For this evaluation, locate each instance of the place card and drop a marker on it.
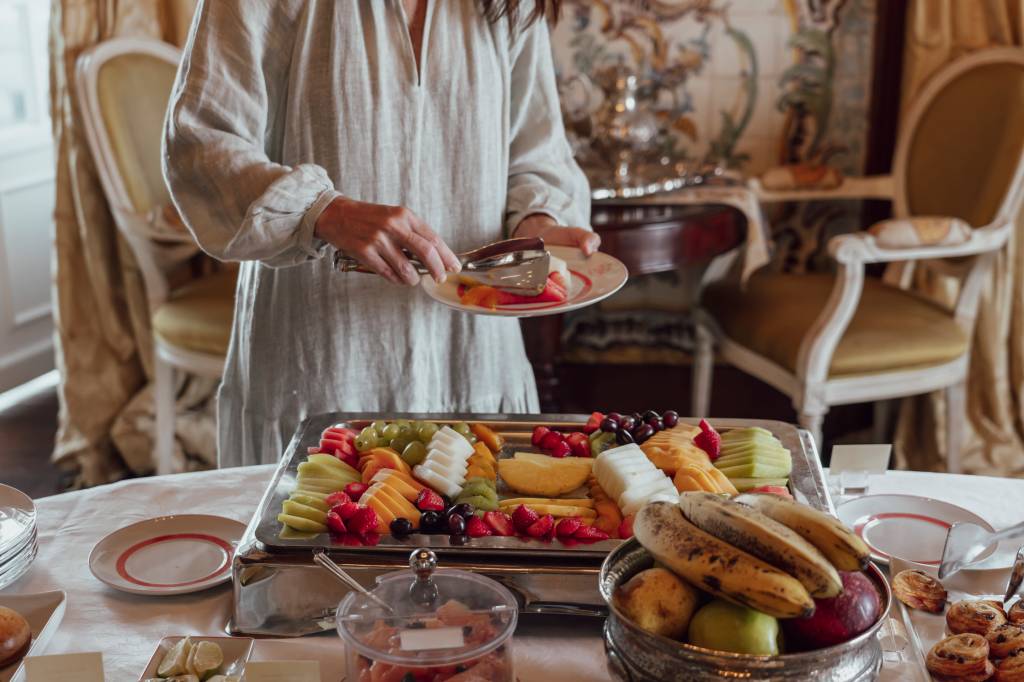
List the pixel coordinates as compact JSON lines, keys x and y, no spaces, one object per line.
{"x":851,"y":465}
{"x":282,"y":671}
{"x":65,"y":667}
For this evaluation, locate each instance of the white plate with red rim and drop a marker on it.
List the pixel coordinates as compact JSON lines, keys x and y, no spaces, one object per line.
{"x":167,"y":555}
{"x":906,"y":526}
{"x":592,"y":279}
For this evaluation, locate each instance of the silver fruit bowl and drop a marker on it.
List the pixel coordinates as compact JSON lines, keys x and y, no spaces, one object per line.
{"x":638,"y":656}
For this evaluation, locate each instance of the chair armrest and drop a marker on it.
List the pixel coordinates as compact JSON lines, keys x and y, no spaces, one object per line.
{"x":871,"y":187}
{"x":863,"y":247}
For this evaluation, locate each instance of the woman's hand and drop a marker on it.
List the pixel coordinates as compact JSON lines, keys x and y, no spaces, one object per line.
{"x":375,"y":234}
{"x":544,"y":226}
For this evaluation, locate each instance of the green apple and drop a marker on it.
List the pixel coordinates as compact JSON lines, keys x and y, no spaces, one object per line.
{"x":724,"y":626}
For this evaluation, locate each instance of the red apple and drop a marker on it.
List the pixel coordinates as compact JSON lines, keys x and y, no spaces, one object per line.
{"x":839,"y":619}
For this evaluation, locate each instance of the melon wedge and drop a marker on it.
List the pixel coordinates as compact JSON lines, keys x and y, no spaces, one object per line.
{"x":398,"y":505}
{"x":549,"y":479}
{"x":384,"y":514}
{"x":400,"y":486}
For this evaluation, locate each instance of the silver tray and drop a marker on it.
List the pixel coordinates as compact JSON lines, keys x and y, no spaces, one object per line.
{"x":806,"y":482}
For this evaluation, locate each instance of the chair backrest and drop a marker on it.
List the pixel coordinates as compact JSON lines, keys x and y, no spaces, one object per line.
{"x":123,"y":89}
{"x":961,"y":152}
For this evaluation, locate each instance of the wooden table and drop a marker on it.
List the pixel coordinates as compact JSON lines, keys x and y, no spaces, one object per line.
{"x":647,"y":239}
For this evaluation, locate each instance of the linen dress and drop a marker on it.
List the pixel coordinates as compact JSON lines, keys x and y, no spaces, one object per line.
{"x":280,"y":106}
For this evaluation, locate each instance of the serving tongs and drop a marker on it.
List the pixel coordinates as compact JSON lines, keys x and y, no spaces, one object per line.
{"x":966,"y":542}
{"x":516,"y":265}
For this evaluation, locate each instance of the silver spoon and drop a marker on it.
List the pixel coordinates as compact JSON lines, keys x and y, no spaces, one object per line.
{"x":966,"y":542}
{"x":1016,"y":576}
{"x":338,"y":572}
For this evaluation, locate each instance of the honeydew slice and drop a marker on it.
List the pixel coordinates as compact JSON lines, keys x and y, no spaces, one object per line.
{"x":330,"y":461}
{"x":326,"y":485}
{"x":314,"y":470}
{"x":436,"y":481}
{"x":310,"y":501}
{"x":299,"y":523}
{"x":298,"y":509}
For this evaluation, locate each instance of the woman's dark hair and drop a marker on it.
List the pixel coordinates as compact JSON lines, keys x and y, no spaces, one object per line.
{"x":498,"y":9}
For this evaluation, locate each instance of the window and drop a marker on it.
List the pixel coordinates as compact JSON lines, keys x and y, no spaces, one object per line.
{"x":23,"y":63}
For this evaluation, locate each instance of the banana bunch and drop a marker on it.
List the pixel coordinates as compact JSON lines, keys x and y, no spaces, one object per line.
{"x":769,"y":553}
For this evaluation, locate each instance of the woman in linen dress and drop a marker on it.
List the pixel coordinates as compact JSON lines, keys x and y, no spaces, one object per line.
{"x":297,"y":128}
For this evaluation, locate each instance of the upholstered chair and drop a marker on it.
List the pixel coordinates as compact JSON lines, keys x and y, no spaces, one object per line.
{"x":956,"y":187}
{"x":123,"y":89}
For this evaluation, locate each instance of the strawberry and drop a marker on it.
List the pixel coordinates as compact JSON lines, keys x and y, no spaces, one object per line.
{"x":476,"y":528}
{"x":562,"y":449}
{"x":428,"y":500}
{"x":708,"y":440}
{"x":626,"y":527}
{"x":334,"y":499}
{"x":363,"y":521}
{"x":590,"y":533}
{"x":579,"y":443}
{"x":541,"y":527}
{"x":356,"y":490}
{"x":594,"y":423}
{"x":567,"y":526}
{"x":500,"y":523}
{"x":539,"y":432}
{"x":523,"y":517}
{"x":335,"y":524}
{"x":551,"y":440}
{"x":346,"y":510}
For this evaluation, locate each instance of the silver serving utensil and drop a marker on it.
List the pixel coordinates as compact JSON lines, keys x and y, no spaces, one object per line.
{"x":1016,"y":576}
{"x":338,"y":572}
{"x":966,"y":542}
{"x":518,"y":265}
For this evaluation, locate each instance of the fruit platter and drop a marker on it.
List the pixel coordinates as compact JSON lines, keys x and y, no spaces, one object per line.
{"x":535,"y":501}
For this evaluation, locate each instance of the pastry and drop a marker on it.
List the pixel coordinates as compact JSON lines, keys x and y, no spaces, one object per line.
{"x":1011,"y":668}
{"x":960,"y":657}
{"x":974,"y":616}
{"x":918,"y":590}
{"x":1016,"y":613}
{"x":15,"y":636}
{"x":1005,"y":639}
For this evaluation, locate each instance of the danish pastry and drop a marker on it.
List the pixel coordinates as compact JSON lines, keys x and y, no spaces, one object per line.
{"x":1004,"y":639}
{"x":960,"y":657}
{"x":974,"y":616}
{"x":918,"y":590}
{"x":1016,"y":613}
{"x":1011,"y":668}
{"x":15,"y":636}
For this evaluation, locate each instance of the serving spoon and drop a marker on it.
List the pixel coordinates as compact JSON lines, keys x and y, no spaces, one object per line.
{"x":518,"y":265}
{"x":965,"y":542}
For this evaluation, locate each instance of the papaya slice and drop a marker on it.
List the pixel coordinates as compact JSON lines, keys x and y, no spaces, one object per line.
{"x":488,"y":436}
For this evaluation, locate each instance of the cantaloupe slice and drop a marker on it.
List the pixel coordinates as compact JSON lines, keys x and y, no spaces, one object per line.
{"x":400,"y":485}
{"x":549,"y":479}
{"x":384,"y":514}
{"x":398,"y":505}
{"x":385,"y":456}
{"x":493,"y":440}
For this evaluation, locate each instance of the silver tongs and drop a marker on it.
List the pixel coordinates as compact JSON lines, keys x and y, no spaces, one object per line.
{"x":517,"y":265}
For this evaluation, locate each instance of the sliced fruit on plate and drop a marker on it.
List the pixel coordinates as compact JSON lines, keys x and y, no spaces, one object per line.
{"x":301,"y":523}
{"x":552,"y":478}
{"x":399,"y":485}
{"x":627,"y":468}
{"x":489,"y":297}
{"x":672,"y":448}
{"x":482,"y":452}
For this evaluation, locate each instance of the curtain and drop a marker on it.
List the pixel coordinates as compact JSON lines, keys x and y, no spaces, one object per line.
{"x":939,"y":31}
{"x":103,"y":337}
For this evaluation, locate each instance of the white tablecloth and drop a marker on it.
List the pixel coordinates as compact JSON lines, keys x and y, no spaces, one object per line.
{"x":126,"y":628}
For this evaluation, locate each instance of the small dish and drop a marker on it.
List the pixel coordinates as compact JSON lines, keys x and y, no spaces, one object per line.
{"x":167,"y":555}
{"x":44,"y":612}
{"x":236,"y":650}
{"x":594,"y":278}
{"x":910,"y":527}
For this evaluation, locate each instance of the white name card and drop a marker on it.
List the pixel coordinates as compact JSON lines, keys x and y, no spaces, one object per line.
{"x":65,"y":668}
{"x":852,"y":464}
{"x":282,"y":671}
{"x":423,"y":639}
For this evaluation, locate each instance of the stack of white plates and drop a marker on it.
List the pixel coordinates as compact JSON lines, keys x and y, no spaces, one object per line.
{"x":18,"y":543}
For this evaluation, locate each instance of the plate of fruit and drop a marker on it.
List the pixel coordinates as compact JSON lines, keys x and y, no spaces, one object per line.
{"x":574,"y":281}
{"x":526,"y":485}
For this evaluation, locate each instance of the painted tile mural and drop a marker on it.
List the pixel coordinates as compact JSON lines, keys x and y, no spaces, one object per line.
{"x":745,"y":83}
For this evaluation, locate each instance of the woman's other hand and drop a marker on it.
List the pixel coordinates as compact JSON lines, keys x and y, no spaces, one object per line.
{"x":544,"y":226}
{"x":375,"y":234}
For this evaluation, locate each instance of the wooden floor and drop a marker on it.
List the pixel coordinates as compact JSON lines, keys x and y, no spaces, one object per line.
{"x":27,"y":433}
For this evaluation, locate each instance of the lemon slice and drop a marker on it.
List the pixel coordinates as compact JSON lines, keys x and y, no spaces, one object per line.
{"x":175,"y":661}
{"x":204,"y":659}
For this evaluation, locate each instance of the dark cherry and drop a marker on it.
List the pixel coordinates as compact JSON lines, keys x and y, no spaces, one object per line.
{"x":637,"y":417}
{"x":623,"y":437}
{"x":615,"y":417}
{"x":609,"y":425}
{"x":627,"y":423}
{"x":430,"y":521}
{"x":671,"y":418}
{"x":456,"y":524}
{"x":656,"y":424}
{"x":401,"y":527}
{"x":643,"y":433}
{"x":651,"y":414}
{"x":458,"y":539}
{"x":462,"y":509}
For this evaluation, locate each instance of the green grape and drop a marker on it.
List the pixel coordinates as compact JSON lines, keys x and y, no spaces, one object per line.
{"x":370,"y":433}
{"x":414,"y":453}
{"x":406,"y":430}
{"x":399,"y":444}
{"x":463,"y":428}
{"x":364,"y":443}
{"x":391,"y":431}
{"x":426,"y":431}
{"x":379,"y":426}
